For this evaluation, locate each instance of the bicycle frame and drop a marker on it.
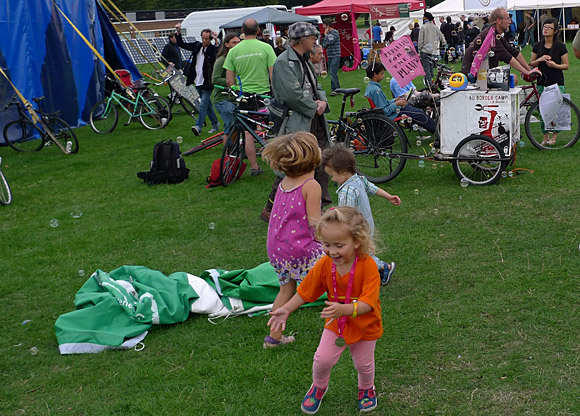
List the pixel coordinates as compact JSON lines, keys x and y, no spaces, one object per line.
{"x":534,"y":92}
{"x":123,"y":101}
{"x":243,"y":117}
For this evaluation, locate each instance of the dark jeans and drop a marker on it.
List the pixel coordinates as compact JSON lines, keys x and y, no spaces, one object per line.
{"x":333,"y":70}
{"x":419,"y":117}
{"x":206,"y":109}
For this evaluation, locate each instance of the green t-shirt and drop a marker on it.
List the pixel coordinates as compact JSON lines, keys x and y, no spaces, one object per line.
{"x":250,"y":59}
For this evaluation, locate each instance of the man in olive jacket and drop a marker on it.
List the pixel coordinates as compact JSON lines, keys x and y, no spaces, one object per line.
{"x":294,"y":84}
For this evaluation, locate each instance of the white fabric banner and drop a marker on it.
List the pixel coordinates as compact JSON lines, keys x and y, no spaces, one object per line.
{"x":484,"y":4}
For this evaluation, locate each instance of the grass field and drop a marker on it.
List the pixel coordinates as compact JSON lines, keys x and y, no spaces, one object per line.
{"x":482,"y":316}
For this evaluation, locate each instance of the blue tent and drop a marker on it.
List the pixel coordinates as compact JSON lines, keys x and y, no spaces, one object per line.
{"x":43,"y":55}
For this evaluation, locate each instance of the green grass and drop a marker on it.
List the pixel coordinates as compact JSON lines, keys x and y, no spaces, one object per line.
{"x":481,"y":317}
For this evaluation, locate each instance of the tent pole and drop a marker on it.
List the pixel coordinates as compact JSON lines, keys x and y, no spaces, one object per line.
{"x":563,"y":24}
{"x":356,"y":46}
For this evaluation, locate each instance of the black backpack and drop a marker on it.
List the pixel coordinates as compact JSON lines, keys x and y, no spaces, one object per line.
{"x":167,"y":165}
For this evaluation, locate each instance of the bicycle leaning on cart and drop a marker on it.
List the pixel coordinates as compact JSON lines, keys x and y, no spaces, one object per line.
{"x":380,"y":147}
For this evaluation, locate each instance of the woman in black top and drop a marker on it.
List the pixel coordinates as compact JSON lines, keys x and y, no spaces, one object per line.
{"x":551,"y":57}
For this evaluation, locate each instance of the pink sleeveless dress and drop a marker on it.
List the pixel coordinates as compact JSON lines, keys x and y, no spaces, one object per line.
{"x":292,"y":249}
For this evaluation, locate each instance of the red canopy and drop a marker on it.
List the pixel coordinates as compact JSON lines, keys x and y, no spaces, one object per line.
{"x":329,"y":7}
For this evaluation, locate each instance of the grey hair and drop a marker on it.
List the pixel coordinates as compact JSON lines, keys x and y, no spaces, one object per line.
{"x":496,"y":14}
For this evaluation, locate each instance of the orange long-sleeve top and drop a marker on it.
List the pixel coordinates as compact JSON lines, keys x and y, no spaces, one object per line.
{"x":365,"y":288}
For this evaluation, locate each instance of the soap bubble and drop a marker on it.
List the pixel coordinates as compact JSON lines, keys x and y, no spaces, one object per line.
{"x":290,"y":64}
{"x":407,"y":49}
{"x":479,"y":56}
{"x":179,"y":139}
{"x":354,"y":40}
{"x":522,"y":143}
{"x":464,"y":182}
{"x":418,"y":143}
{"x":478,"y":41}
{"x":81,"y":273}
{"x":387,"y":79}
{"x":266,"y":101}
{"x":415,"y":127}
{"x":296,"y":85}
{"x":435,"y":211}
{"x":453,"y":33}
{"x":398,"y":110}
{"x":416,"y":192}
{"x":364,"y":64}
{"x":76,"y":212}
{"x":324,"y":74}
{"x":498,"y":36}
{"x":33,"y":351}
{"x":511,"y":174}
{"x":344,"y":17}
{"x":434,"y":166}
{"x":211,"y":225}
{"x":421,"y":163}
{"x":305,"y":93}
{"x":504,"y":174}
{"x":26,"y":321}
{"x":366,"y":80}
{"x":54,"y":223}
{"x":491,"y":54}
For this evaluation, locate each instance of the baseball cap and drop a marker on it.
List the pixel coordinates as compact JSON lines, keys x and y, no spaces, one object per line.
{"x":265,"y":32}
{"x":428,"y":16}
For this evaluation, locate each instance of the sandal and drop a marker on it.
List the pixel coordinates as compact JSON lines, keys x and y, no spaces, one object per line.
{"x":270,"y":342}
{"x":551,"y":142}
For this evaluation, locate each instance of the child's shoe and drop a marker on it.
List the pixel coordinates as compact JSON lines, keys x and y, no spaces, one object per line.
{"x":386,"y":273}
{"x":367,"y":400}
{"x":312,"y":400}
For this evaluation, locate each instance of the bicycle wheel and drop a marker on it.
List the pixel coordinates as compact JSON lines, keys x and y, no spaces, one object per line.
{"x":232,"y":156}
{"x":24,"y":136}
{"x":64,"y":134}
{"x":154,"y":113}
{"x":188,"y":107}
{"x":567,"y":137}
{"x":5,"y":193}
{"x":378,"y":147}
{"x":479,"y":160}
{"x":104,"y":117}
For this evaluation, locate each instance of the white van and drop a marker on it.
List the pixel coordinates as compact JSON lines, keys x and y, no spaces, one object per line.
{"x":195,"y":22}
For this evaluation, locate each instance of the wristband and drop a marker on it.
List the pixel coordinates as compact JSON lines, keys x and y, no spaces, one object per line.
{"x":355,"y":309}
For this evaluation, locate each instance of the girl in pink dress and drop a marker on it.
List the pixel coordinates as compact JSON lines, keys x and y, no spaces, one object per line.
{"x":292,"y":249}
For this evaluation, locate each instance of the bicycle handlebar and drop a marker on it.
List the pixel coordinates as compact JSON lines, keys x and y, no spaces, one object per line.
{"x":234,"y":92}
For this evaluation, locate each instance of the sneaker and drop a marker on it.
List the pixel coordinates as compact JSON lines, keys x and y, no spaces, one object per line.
{"x":256,"y":172}
{"x":196,"y":130}
{"x":212,"y":131}
{"x":386,"y":273}
{"x":312,"y":400}
{"x":333,"y":93}
{"x":270,"y":342}
{"x":265,"y":215}
{"x":367,"y":400}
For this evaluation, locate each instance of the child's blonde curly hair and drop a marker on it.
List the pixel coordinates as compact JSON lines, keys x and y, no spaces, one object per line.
{"x":294,"y":154}
{"x":359,"y":228}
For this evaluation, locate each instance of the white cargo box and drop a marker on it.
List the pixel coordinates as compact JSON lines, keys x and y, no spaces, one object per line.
{"x":491,"y":113}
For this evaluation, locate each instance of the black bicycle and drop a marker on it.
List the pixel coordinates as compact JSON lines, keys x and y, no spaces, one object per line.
{"x":5,"y":193}
{"x":36,"y":129}
{"x":376,"y":140}
{"x":256,"y":123}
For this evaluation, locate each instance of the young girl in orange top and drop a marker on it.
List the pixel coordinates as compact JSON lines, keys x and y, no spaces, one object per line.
{"x":350,"y":277}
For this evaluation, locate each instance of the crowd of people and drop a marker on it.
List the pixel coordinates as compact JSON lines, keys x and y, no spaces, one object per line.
{"x":313,"y":248}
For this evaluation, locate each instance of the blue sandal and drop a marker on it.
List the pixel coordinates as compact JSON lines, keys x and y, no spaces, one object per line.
{"x":270,"y":342}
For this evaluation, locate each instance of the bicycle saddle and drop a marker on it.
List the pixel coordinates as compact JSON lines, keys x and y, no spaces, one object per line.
{"x":347,"y":91}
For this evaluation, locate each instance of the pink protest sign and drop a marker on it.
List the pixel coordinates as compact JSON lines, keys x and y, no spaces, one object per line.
{"x":402,"y":61}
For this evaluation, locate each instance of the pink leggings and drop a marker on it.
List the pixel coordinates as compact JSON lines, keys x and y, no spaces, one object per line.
{"x":327,"y":355}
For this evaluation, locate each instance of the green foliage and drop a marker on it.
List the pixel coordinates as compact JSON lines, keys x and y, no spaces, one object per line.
{"x":482,"y":315}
